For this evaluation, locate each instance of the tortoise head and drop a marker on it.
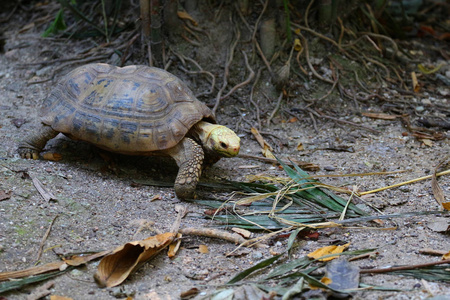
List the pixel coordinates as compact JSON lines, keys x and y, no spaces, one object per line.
{"x":220,"y":139}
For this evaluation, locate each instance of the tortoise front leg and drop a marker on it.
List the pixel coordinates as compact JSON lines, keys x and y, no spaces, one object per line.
{"x":32,"y":145}
{"x":189,"y":157}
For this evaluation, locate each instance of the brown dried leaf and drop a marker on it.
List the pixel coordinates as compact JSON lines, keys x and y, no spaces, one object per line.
{"x":47,"y":195}
{"x":56,"y":297}
{"x":189,"y":293}
{"x":415,"y":83}
{"x":185,"y":16}
{"x":382,"y":116}
{"x":436,"y":188}
{"x":245,"y":233}
{"x":203,"y":249}
{"x":174,"y":246}
{"x":116,"y":267}
{"x":4,"y":195}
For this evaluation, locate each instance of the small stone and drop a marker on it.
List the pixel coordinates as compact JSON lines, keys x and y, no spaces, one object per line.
{"x":329,"y":168}
{"x":420,"y":108}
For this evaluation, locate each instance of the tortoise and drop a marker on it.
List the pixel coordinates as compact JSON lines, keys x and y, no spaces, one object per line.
{"x":135,"y":110}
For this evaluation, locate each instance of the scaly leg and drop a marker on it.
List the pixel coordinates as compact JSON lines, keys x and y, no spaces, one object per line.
{"x":32,"y":145}
{"x":189,"y":157}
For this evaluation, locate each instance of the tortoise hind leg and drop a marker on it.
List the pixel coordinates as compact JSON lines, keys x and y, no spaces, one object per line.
{"x":33,"y":144}
{"x":189,"y":157}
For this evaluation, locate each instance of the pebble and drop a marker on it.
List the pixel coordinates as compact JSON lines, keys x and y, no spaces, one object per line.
{"x":329,"y":168}
{"x":420,"y":108}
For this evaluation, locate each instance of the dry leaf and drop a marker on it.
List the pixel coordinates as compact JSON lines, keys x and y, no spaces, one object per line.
{"x":48,"y":196}
{"x":203,"y":249}
{"x":300,"y":146}
{"x":437,"y":190}
{"x":380,"y":116}
{"x":56,"y":297}
{"x":328,"y":250}
{"x":297,"y":44}
{"x":52,"y":156}
{"x":174,"y":246}
{"x":185,"y":16}
{"x":189,"y":293}
{"x":446,"y":256}
{"x":245,"y":233}
{"x":266,"y":149}
{"x":427,"y":142}
{"x":116,"y":267}
{"x":4,"y":195}
{"x":415,"y":83}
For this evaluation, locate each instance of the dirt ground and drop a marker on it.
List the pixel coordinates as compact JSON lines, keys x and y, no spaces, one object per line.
{"x":100,"y":207}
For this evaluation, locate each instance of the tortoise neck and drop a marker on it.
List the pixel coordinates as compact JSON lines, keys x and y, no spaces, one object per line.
{"x":202,"y":131}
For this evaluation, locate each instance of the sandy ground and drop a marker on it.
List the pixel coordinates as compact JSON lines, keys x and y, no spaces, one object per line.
{"x":99,"y":207}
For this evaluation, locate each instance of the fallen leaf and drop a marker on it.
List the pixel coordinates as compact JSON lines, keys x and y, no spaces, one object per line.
{"x":266,"y":149}
{"x":382,"y":116}
{"x":439,"y":225}
{"x":4,"y":195}
{"x":297,"y":44}
{"x":245,"y":233}
{"x":415,"y":83}
{"x":189,"y":293}
{"x":203,"y":249}
{"x":446,"y":256}
{"x":327,"y":250}
{"x":300,"y":147}
{"x":116,"y":267}
{"x":437,"y":190}
{"x":174,"y":246}
{"x":185,"y":16}
{"x":427,"y":142}
{"x":56,"y":297}
{"x":48,"y":196}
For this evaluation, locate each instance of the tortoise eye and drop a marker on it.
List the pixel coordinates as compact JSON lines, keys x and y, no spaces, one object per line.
{"x":223,"y":145}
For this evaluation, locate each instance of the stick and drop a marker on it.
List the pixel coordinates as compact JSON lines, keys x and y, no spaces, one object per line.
{"x":403,"y":268}
{"x":44,"y":238}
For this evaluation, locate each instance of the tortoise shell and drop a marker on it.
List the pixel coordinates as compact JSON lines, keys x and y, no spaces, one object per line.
{"x":134,"y":109}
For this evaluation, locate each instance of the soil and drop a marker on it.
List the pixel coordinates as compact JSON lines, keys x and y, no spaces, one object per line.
{"x":99,"y":206}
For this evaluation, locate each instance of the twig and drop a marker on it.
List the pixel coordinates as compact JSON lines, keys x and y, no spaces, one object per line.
{"x":214,"y":233}
{"x":251,"y":98}
{"x":227,"y":70}
{"x":307,"y":12}
{"x":44,"y":238}
{"x":403,"y":268}
{"x":249,"y":78}
{"x":405,"y":182}
{"x":344,"y":121}
{"x":313,"y":70}
{"x":277,"y":107}
{"x":433,"y":252}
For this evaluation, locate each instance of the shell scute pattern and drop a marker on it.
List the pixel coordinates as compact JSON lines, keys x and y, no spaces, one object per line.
{"x":135,"y":109}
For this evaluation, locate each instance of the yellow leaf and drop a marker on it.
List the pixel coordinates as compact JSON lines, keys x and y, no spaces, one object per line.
{"x":446,"y":256}
{"x":429,"y":71}
{"x":56,"y":297}
{"x":174,"y":246}
{"x":297,"y":44}
{"x":203,"y":249}
{"x":300,"y":146}
{"x":297,"y":31}
{"x":327,"y":250}
{"x":415,"y":83}
{"x":185,"y":16}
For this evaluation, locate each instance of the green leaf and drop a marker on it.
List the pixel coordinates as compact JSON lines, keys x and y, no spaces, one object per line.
{"x":57,"y":25}
{"x":256,"y":267}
